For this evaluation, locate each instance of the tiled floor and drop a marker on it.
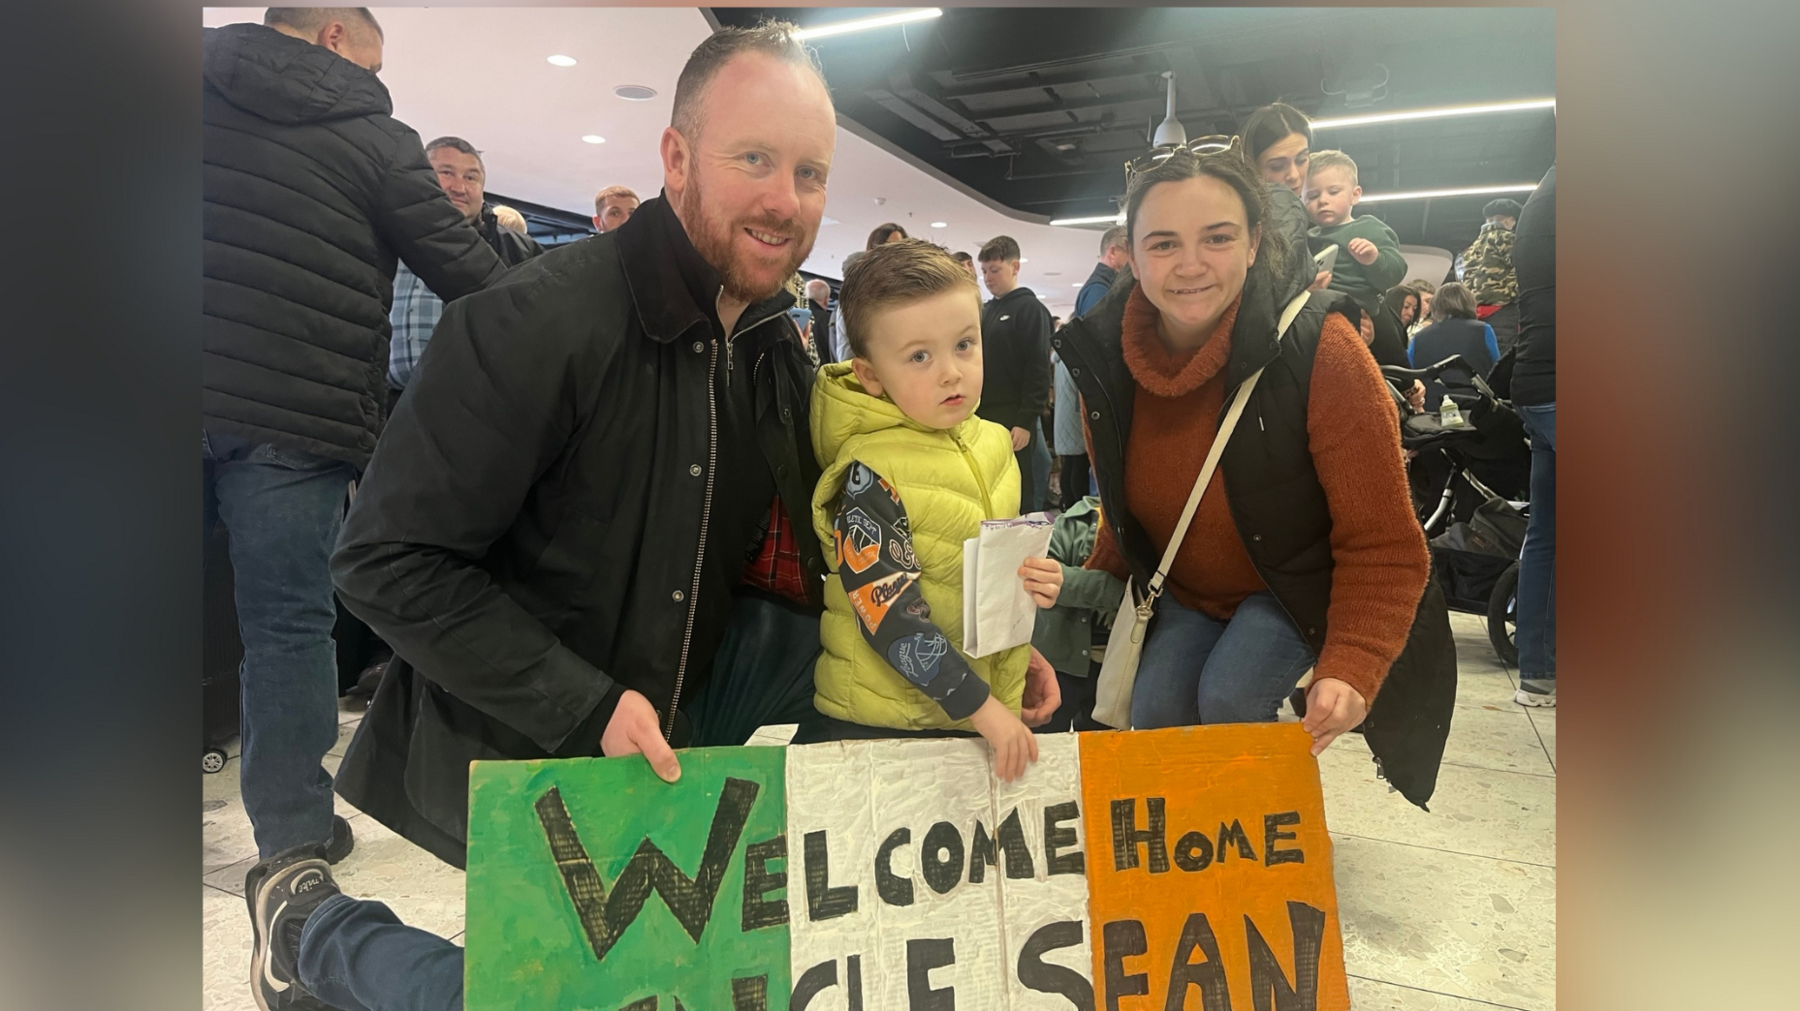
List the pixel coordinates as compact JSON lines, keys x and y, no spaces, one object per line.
{"x":1454,"y":910}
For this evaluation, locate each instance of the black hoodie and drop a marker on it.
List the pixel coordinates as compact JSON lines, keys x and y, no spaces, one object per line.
{"x":1015,"y":350}
{"x":311,"y":190}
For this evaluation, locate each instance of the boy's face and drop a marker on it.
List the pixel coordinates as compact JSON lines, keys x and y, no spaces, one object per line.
{"x":925,"y":356}
{"x":1330,"y":195}
{"x":1001,"y":276}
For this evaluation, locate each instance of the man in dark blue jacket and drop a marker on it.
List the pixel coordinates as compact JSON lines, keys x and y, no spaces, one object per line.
{"x":311,"y":192}
{"x":1071,"y":445}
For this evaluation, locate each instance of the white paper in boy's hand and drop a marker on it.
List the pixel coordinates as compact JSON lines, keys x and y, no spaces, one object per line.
{"x":997,"y":611}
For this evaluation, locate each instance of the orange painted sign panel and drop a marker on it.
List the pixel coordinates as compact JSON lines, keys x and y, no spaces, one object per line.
{"x":1209,"y":871}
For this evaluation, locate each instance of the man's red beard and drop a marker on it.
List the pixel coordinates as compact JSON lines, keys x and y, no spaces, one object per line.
{"x":714,"y":239}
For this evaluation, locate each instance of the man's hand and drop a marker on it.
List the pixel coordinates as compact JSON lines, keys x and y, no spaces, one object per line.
{"x":1321,"y":281}
{"x":1362,"y":251}
{"x":1043,"y":580}
{"x":1014,"y":746}
{"x":1332,"y":707}
{"x":1367,"y":328}
{"x":1021,"y":439}
{"x":635,"y":730}
{"x":1043,"y":696}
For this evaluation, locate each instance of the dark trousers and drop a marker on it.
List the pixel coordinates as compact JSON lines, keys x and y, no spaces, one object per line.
{"x":1034,"y":472}
{"x":1074,"y":478}
{"x":282,"y":509}
{"x":1536,"y":633}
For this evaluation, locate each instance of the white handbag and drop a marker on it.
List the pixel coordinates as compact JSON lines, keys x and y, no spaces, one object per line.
{"x":1118,"y":671}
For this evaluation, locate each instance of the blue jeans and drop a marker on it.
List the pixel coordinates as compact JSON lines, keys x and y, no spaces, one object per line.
{"x":1196,"y":669}
{"x":1536,"y":633}
{"x":355,"y":954}
{"x":282,"y":509}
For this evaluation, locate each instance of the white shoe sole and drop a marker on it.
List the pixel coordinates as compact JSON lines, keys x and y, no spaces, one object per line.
{"x":1536,"y":701}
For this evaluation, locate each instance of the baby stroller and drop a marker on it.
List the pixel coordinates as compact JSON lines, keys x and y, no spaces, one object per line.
{"x":1470,"y":486}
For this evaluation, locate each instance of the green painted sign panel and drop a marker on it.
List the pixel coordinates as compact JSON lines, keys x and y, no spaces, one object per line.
{"x":590,"y":880}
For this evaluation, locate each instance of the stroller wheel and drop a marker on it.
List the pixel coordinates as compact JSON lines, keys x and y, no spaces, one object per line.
{"x":212,"y":760}
{"x":1502,"y":616}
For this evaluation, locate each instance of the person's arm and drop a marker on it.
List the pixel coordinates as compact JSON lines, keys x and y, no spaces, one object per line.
{"x":1389,"y":266}
{"x":1380,"y":562}
{"x":1034,"y":368}
{"x":451,"y":471}
{"x":426,"y":230}
{"x":880,"y":574}
{"x":1088,"y":589}
{"x":840,"y":344}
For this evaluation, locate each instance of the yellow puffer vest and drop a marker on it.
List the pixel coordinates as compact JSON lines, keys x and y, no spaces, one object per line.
{"x":949,"y":481}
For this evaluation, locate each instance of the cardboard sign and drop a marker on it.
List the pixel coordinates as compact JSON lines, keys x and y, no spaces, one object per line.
{"x":1169,"y":869}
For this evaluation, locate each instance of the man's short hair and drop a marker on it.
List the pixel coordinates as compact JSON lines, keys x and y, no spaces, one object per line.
{"x":608,"y":193}
{"x":771,"y":38}
{"x":1420,"y":284}
{"x":1330,"y":159}
{"x":1000,"y":247}
{"x":818,"y":285}
{"x":456,"y":144}
{"x":311,"y":19}
{"x":1114,"y":236}
{"x":963,"y":257}
{"x":895,"y":274}
{"x":1502,"y":208}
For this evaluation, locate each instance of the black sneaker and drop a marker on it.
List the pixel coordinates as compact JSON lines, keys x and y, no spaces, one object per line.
{"x":282,"y":892}
{"x":342,"y":840}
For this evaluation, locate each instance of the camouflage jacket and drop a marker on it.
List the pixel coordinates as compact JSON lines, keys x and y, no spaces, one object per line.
{"x":1488,"y":267}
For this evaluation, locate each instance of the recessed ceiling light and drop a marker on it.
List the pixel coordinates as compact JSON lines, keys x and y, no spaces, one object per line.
{"x":1077,"y":284}
{"x":862,"y":24}
{"x":594,"y":138}
{"x":940,"y":224}
{"x":634,"y":92}
{"x":1110,"y":219}
{"x":1024,"y":259}
{"x":829,"y":220}
{"x":562,"y":61}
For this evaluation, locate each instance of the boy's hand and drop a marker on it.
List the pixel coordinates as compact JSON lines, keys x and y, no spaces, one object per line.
{"x":1014,"y":745}
{"x":635,"y":730}
{"x":1043,"y":693}
{"x":1043,"y":580}
{"x":1362,"y":251}
{"x":1366,"y":327}
{"x":1321,"y":281}
{"x":1021,"y":438}
{"x":1332,"y":707}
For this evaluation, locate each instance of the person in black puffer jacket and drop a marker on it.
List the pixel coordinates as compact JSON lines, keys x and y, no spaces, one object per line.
{"x":311,"y":192}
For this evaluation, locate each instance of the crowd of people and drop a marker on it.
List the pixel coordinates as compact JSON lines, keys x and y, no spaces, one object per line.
{"x":649,"y":490}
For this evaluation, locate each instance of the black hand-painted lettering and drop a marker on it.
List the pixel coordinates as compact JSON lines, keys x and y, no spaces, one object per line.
{"x":1056,"y":836}
{"x":823,"y":902}
{"x":1272,"y":834}
{"x":813,"y":980}
{"x":1048,"y":977}
{"x":1233,"y":833}
{"x":941,"y":858}
{"x":1209,"y":975}
{"x":1008,"y":839}
{"x":605,"y":917}
{"x":1126,"y":835}
{"x":759,"y":881}
{"x":1193,"y":851}
{"x":750,"y":993}
{"x":1120,"y":940}
{"x":1269,"y":989}
{"x":893,"y":889}
{"x":922,"y":956}
{"x":853,"y":981}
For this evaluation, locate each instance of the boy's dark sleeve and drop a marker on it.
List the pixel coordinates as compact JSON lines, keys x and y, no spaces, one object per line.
{"x":1034,"y":392}
{"x":881,"y":577}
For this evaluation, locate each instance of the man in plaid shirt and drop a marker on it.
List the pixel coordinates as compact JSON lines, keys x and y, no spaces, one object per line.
{"x":417,"y":308}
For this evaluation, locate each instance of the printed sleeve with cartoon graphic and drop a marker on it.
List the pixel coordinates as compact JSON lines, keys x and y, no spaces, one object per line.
{"x":881,"y":575}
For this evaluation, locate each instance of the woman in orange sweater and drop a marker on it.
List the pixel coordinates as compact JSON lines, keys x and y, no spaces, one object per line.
{"x":1305,"y":552}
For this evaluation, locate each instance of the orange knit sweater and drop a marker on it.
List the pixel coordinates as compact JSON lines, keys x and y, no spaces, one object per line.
{"x":1380,"y":562}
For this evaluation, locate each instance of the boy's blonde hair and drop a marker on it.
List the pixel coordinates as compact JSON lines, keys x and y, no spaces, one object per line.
{"x":896,"y":273}
{"x":1322,"y":160}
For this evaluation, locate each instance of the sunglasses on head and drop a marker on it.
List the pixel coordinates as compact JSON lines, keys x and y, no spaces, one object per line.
{"x":1212,"y":143}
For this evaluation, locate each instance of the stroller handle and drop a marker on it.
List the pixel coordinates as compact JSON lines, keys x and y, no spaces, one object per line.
{"x":1395,"y":374}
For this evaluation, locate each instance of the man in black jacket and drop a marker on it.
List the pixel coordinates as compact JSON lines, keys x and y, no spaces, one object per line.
{"x":551,"y":530}
{"x":311,"y":190}
{"x":1015,"y":345}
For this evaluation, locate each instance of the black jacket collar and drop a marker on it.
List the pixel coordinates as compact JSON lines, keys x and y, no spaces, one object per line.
{"x":672,"y":285}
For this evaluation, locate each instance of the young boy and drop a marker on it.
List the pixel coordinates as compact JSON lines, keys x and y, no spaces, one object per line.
{"x":1368,"y":260}
{"x":909,"y":474}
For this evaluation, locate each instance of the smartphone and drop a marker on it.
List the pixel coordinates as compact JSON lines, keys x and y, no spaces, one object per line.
{"x":1326,"y":257}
